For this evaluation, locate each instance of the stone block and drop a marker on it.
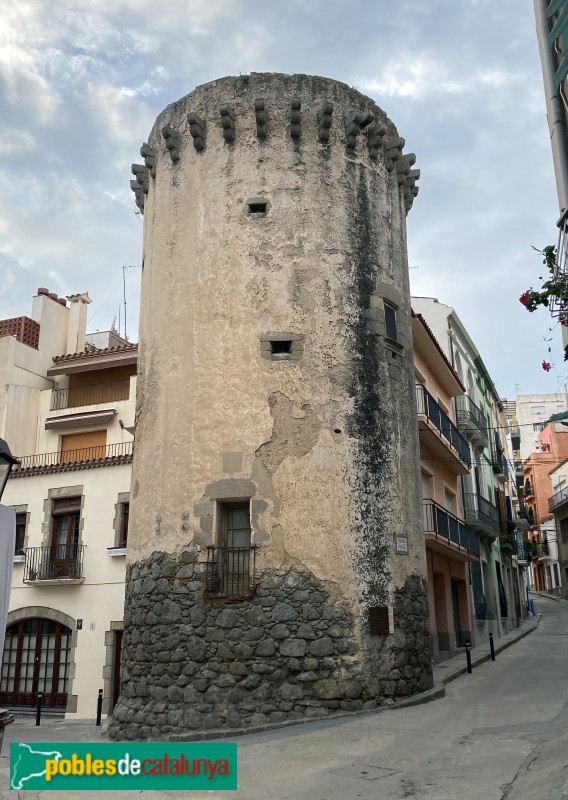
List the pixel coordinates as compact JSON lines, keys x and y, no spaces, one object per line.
{"x":322,"y":647}
{"x":282,"y":612}
{"x":265,"y":648}
{"x":280,"y":632}
{"x":293,"y":647}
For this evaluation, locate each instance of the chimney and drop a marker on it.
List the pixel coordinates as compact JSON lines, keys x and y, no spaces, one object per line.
{"x":77,"y":322}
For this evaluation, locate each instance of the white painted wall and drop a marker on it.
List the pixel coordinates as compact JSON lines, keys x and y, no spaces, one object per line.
{"x":100,"y":599}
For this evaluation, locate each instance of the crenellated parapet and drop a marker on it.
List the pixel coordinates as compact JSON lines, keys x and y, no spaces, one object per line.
{"x":363,"y":134}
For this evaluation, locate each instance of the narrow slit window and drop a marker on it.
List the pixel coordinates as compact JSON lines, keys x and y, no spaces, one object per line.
{"x":390,"y":322}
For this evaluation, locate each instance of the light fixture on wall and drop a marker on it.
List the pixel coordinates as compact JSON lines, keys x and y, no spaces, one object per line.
{"x":7,"y":461}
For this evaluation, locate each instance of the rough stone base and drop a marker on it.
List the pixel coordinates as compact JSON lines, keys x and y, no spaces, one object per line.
{"x":190,"y":663}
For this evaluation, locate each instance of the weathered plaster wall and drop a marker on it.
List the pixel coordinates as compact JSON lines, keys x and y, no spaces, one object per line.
{"x":323,"y":443}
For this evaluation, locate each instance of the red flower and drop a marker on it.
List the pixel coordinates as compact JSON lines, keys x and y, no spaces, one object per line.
{"x":546,"y":366}
{"x":525,"y":298}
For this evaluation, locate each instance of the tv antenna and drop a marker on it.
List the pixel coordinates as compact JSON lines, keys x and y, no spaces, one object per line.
{"x":126,"y":267}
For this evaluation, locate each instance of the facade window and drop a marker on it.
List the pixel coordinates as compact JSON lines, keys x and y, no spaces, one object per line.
{"x":390,"y":322}
{"x":538,"y":427}
{"x":479,"y":601}
{"x":21,"y":521}
{"x":64,"y":545}
{"x":123,"y":531}
{"x":83,"y":446}
{"x":230,"y":567}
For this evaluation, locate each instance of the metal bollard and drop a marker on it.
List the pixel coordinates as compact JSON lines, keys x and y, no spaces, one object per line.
{"x":468,"y":655}
{"x":492,"y":647}
{"x":99,"y":707}
{"x":38,"y":708}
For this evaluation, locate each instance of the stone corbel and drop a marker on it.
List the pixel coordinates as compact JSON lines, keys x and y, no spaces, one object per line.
{"x":173,"y":142}
{"x":324,"y":121}
{"x":403,"y":166}
{"x":393,"y":151}
{"x":142,"y":175}
{"x":138,"y":194}
{"x":375,"y":136}
{"x":198,"y":131}
{"x":356,"y":122}
{"x":260,"y":112}
{"x":296,"y":118}
{"x":149,"y":155}
{"x":227,"y":123}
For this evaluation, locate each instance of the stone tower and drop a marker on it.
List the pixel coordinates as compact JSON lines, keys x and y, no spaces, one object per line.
{"x":276,"y":564}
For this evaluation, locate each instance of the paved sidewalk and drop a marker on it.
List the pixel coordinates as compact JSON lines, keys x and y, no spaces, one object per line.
{"x":56,"y":729}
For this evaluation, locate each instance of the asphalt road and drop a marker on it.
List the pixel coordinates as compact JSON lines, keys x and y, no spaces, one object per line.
{"x":501,"y":732}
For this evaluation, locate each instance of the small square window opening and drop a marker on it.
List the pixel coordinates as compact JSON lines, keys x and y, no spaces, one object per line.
{"x":390,"y":322}
{"x":281,"y":347}
{"x":257,"y":208}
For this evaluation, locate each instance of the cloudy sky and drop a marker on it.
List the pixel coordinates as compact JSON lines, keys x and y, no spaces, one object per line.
{"x":82,"y":82}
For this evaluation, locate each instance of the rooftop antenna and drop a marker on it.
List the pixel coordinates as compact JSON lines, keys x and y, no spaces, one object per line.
{"x":124,"y":268}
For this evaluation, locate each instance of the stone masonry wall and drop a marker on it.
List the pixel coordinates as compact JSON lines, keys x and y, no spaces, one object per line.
{"x":193,"y":664}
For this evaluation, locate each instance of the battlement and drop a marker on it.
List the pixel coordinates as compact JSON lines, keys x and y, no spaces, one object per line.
{"x":253,"y":110}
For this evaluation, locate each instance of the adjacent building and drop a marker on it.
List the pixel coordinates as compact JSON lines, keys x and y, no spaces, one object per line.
{"x":445,"y":456}
{"x":68,"y":409}
{"x":538,"y":493}
{"x":497,"y":581}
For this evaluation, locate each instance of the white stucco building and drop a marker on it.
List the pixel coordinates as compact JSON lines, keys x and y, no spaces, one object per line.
{"x":67,"y":407}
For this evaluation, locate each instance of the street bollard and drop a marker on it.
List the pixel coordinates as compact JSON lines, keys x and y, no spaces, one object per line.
{"x":468,"y":655}
{"x":492,"y":647}
{"x":38,"y":708}
{"x":99,"y":707}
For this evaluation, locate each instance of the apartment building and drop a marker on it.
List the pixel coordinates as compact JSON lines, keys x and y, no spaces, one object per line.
{"x":68,"y":415}
{"x":497,"y":581}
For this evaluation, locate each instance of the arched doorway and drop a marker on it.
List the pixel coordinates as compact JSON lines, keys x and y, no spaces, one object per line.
{"x":36,"y":659}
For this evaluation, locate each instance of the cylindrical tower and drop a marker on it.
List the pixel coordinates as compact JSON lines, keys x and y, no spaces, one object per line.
{"x":276,"y":563}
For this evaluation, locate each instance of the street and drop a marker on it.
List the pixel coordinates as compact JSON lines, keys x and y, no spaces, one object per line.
{"x":501,"y":732}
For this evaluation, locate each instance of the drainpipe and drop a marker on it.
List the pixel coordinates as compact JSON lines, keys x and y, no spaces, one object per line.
{"x":556,"y":118}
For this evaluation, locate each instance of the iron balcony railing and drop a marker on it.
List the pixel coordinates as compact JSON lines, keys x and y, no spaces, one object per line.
{"x":90,"y":395}
{"x":481,"y":514}
{"x":558,"y":499}
{"x":522,"y":553}
{"x":499,"y":463}
{"x":121,"y":452}
{"x":508,"y":543}
{"x":55,"y":562}
{"x":429,"y":407}
{"x":439,"y":521}
{"x":231,"y":572}
{"x":470,"y":417}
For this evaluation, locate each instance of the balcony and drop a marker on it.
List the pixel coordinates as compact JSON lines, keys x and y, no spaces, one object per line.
{"x":230,"y":572}
{"x":558,"y":499}
{"x":90,"y":395}
{"x":523,"y":557}
{"x":444,"y":528}
{"x":99,"y":456}
{"x":499,"y":464}
{"x":471,"y":420}
{"x":440,"y":434}
{"x":508,"y":544}
{"x":61,"y":563}
{"x":481,"y":515}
